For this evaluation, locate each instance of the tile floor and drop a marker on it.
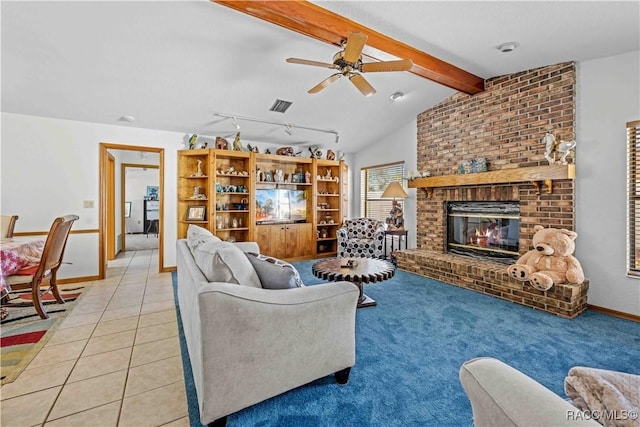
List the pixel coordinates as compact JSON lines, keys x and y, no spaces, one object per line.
{"x":113,"y":361}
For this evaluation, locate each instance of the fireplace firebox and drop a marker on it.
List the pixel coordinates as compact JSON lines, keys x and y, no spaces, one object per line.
{"x":485,"y":230}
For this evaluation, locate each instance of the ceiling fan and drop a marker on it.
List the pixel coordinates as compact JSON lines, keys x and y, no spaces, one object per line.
{"x":349,"y":62}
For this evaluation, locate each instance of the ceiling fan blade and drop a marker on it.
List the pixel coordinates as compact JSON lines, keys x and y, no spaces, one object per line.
{"x":362,"y":84}
{"x":354,"y":46}
{"x":314,"y":63}
{"x":326,"y":82}
{"x":399,"y":65}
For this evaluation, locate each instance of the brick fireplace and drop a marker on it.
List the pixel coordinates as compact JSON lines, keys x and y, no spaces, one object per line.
{"x":505,"y":125}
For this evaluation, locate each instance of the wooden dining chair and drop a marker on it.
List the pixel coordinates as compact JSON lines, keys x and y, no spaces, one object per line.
{"x":7,"y":224}
{"x":45,"y":272}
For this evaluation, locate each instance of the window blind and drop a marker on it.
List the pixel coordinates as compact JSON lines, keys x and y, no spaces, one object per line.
{"x":633,"y":197}
{"x":373,"y":181}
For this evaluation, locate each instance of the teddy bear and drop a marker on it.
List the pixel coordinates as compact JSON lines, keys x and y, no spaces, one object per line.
{"x":551,"y":261}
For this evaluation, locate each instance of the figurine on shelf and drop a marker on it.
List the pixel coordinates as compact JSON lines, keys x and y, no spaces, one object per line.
{"x":221,"y":143}
{"x":237,"y":145}
{"x":192,"y":141}
{"x":331,"y":155}
{"x":315,"y":153}
{"x":199,"y":172}
{"x":307,"y":177}
{"x":197,"y":194}
{"x":328,"y":175}
{"x":279,"y":175}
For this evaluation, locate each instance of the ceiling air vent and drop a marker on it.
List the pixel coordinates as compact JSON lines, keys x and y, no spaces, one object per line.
{"x":280,"y":106}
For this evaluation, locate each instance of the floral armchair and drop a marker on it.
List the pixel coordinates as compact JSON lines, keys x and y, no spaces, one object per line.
{"x":361,"y":238}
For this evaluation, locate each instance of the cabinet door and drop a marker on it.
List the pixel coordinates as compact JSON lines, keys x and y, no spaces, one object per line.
{"x":299,"y":240}
{"x":263,"y":239}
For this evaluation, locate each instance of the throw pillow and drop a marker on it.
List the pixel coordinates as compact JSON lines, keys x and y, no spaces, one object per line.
{"x":197,"y":235}
{"x":274,"y":273}
{"x":224,"y":262}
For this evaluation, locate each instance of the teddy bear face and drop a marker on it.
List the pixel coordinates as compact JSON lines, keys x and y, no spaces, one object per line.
{"x":553,"y":241}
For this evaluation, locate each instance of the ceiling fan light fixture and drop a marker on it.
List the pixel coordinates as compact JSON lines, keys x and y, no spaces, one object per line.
{"x":396,"y":96}
{"x":508,"y":47}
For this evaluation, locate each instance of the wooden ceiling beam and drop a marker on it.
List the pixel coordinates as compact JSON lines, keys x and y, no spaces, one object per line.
{"x":313,"y":21}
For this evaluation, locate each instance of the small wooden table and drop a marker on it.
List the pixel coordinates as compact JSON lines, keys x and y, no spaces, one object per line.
{"x":366,"y":270}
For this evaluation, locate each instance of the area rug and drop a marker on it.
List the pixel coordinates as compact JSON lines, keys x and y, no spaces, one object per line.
{"x":23,"y":333}
{"x":409,"y":349}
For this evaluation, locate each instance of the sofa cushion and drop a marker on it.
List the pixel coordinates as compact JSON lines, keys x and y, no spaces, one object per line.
{"x":274,"y":273}
{"x":197,"y":235}
{"x":223,"y":262}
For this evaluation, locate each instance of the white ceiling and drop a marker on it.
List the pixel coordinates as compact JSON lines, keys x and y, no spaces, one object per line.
{"x":172,"y":65}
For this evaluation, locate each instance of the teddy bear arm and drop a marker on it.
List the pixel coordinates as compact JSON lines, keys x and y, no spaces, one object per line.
{"x":574,"y":270}
{"x":528,"y":258}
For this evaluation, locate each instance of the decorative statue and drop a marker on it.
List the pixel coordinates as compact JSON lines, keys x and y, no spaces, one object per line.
{"x":554,"y":148}
{"x":285,"y":151}
{"x":221,"y":143}
{"x":237,"y":145}
{"x":199,"y":172}
{"x":331,"y":155}
{"x":307,"y":177}
{"x":192,"y":141}
{"x":279,"y":175}
{"x":395,"y":220}
{"x":315,"y":153}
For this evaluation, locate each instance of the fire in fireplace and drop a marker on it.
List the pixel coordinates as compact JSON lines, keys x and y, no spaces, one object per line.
{"x":486,"y":230}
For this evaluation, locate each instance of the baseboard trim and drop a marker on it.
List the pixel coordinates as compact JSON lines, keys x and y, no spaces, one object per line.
{"x":615,"y":313}
{"x":77,"y":279}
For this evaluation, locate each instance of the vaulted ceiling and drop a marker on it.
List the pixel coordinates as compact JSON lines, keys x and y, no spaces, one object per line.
{"x":173,"y":65}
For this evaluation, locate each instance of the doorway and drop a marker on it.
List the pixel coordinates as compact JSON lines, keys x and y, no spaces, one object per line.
{"x":112,"y":209}
{"x":140,"y":222}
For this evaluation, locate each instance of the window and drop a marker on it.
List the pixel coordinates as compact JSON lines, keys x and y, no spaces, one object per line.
{"x":373,"y":182}
{"x":633,"y":195}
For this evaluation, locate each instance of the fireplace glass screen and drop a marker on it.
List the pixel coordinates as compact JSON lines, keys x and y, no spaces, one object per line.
{"x":489,"y":230}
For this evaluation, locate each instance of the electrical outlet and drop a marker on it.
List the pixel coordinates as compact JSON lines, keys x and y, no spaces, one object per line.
{"x":88,"y":204}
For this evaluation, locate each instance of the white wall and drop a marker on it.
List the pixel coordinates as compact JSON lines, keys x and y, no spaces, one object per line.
{"x":608,"y":96}
{"x":399,"y":147}
{"x":50,"y":166}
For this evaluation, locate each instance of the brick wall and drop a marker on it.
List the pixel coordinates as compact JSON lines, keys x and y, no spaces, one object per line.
{"x":504,"y":124}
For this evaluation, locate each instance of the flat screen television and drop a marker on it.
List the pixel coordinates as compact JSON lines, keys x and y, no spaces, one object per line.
{"x":280,"y":205}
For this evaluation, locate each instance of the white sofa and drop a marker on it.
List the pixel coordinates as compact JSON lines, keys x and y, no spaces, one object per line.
{"x":247,"y":344}
{"x":501,"y":395}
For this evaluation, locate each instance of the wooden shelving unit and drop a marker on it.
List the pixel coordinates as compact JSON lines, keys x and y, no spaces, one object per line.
{"x":537,"y":175}
{"x":228,"y":185}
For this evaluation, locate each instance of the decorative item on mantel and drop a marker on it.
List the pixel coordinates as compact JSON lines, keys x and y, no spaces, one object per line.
{"x":473,"y":166}
{"x":553,"y":149}
{"x":415,"y":175}
{"x":237,"y":145}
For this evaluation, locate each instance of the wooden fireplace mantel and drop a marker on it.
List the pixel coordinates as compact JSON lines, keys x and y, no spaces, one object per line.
{"x":537,"y":175}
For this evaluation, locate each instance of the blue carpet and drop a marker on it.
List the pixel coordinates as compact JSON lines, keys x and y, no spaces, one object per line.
{"x":409,"y":349}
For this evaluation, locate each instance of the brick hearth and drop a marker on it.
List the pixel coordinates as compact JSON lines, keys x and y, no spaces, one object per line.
{"x":490,"y":278}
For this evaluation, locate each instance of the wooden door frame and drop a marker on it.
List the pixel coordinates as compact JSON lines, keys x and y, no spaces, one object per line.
{"x":111,"y":202}
{"x":103,"y":207}
{"x":123,"y":186}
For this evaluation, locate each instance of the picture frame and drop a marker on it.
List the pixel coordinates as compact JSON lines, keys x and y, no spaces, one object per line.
{"x":196,"y":213}
{"x":152,"y":192}
{"x":297,"y":178}
{"x":127,"y":209}
{"x":267,"y":176}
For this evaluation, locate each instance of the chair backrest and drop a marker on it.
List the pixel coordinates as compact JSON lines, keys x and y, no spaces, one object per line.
{"x":7,"y":224}
{"x":56,"y":243}
{"x":362,"y":228}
